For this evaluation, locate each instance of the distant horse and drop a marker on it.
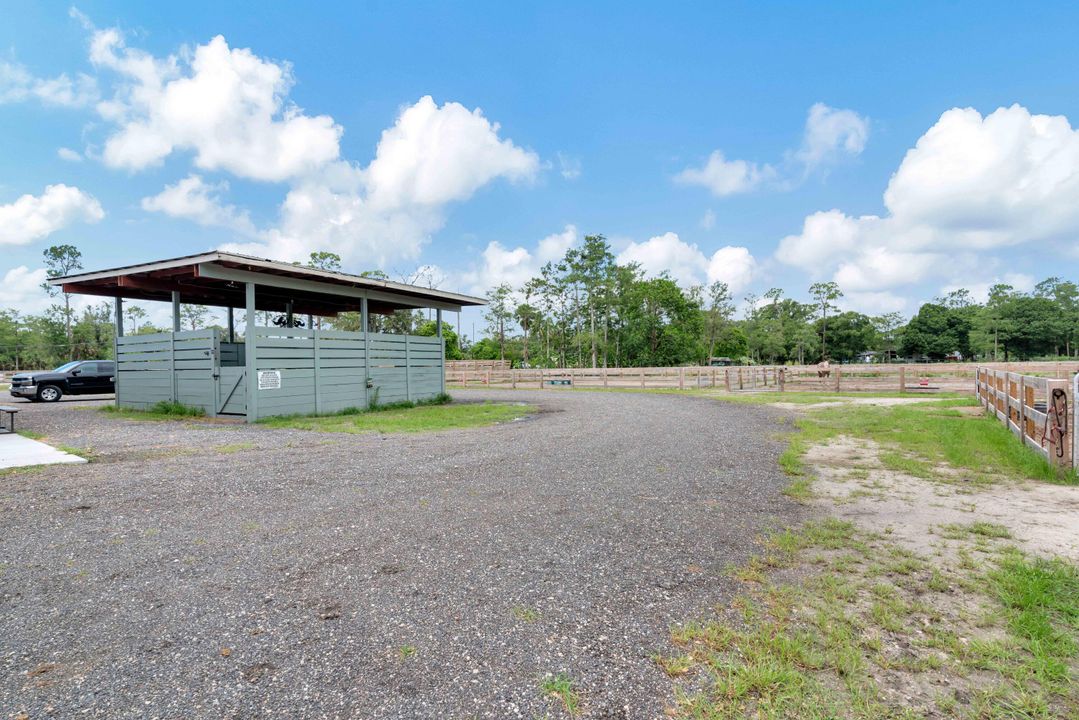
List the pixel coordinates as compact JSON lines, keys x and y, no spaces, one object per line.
{"x":823,"y":369}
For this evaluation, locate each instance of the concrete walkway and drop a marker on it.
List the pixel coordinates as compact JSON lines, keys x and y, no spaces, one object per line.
{"x":18,"y":451}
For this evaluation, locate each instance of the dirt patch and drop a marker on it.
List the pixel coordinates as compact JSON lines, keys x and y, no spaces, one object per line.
{"x":1043,"y":519}
{"x":839,"y":402}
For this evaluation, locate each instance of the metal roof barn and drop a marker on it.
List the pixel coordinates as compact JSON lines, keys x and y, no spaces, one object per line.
{"x":271,"y":370}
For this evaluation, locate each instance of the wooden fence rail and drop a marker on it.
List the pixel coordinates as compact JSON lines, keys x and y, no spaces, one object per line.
{"x":1038,"y":410}
{"x":912,"y":378}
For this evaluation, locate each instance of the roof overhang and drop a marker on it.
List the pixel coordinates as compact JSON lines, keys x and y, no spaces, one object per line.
{"x":219,"y":279}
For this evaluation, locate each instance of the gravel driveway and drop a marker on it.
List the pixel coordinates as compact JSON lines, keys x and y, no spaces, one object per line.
{"x":205,"y":570}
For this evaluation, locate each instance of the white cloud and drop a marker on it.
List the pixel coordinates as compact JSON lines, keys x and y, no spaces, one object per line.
{"x":432,"y":156}
{"x":225,"y":104}
{"x":831,"y":133}
{"x":732,"y":265}
{"x":32,"y":217}
{"x":570,"y":167}
{"x":17,"y":84}
{"x":708,"y":220}
{"x":21,"y":289}
{"x":230,"y":109}
{"x":726,"y":177}
{"x":970,"y":184}
{"x":874,"y":303}
{"x":435,"y":155}
{"x":518,"y":265}
{"x":68,"y":154}
{"x":199,"y":201}
{"x":687,"y":265}
{"x":979,"y":291}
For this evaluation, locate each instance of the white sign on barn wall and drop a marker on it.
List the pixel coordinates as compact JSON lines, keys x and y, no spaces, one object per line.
{"x":269,"y":379}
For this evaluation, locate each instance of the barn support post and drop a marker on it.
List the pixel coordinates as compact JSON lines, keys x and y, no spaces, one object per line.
{"x":232,"y":326}
{"x":290,"y":320}
{"x":172,"y":342}
{"x":249,"y":354}
{"x":366,"y":353}
{"x":175,"y":311}
{"x":116,"y":349}
{"x":442,"y":346}
{"x":316,"y":347}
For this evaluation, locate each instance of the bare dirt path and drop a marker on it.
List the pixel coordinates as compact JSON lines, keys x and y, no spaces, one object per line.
{"x":198,"y":570}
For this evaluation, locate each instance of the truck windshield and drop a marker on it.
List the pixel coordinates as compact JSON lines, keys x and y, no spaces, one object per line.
{"x":66,"y":366}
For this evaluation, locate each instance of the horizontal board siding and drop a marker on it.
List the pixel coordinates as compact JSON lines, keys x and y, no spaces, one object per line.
{"x":181,"y":366}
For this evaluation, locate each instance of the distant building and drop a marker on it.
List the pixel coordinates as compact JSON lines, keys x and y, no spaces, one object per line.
{"x":868,"y":356}
{"x":720,"y":362}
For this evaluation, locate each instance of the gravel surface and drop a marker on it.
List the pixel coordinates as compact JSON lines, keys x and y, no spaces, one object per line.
{"x":195,"y":569}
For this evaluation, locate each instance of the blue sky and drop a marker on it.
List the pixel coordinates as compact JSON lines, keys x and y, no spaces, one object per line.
{"x":481,"y":138}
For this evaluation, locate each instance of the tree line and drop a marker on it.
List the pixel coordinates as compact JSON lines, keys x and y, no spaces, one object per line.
{"x":587,"y":310}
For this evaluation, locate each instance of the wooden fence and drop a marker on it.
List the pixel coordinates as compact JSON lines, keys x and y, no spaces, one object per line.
{"x":1040,"y":411}
{"x":927,"y":377}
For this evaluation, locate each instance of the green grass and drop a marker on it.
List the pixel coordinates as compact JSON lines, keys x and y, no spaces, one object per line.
{"x":920,"y":435}
{"x":562,"y":688}
{"x":863,"y":609}
{"x":406,"y":651}
{"x":412,"y":419}
{"x":30,"y":434}
{"x":164,"y":410}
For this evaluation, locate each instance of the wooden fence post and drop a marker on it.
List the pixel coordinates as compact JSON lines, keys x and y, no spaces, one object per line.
{"x":838,"y":374}
{"x":513,"y":379}
{"x":681,"y":378}
{"x":902,"y":380}
{"x":782,"y":379}
{"x":727,"y":379}
{"x":604,"y":376}
{"x":642,"y":378}
{"x":740,"y":386}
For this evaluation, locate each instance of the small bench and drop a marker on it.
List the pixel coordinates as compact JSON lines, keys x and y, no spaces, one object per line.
{"x":10,"y":412}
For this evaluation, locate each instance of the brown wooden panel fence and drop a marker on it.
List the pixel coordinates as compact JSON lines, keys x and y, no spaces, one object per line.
{"x":913,"y":378}
{"x":1038,"y":410}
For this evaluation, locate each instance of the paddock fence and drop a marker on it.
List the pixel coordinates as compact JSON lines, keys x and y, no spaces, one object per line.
{"x":1039,"y":410}
{"x":928,"y":378}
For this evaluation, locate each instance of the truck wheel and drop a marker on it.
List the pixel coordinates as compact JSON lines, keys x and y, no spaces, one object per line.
{"x":50,"y":393}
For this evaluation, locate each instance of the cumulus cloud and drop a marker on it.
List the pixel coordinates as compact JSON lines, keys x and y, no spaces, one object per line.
{"x":726,"y":177}
{"x":17,"y":84}
{"x":830,"y":134}
{"x":518,"y":265}
{"x":970,"y":184}
{"x":194,"y":199}
{"x":226,"y":105}
{"x":688,"y":265}
{"x":21,"y":289}
{"x":68,"y":154}
{"x":435,"y":155}
{"x":32,"y":217}
{"x":230,"y":109}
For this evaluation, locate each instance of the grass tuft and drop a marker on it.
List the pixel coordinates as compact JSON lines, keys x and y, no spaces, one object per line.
{"x":164,"y":410}
{"x":560,"y":686}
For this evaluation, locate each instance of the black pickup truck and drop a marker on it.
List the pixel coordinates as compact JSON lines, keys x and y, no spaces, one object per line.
{"x":79,"y":377}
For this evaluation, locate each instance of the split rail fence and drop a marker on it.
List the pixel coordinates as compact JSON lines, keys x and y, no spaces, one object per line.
{"x":1040,"y":411}
{"x":913,"y":378}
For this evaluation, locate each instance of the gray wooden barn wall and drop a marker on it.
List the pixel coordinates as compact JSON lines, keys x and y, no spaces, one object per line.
{"x":321,"y":371}
{"x":166,"y":366}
